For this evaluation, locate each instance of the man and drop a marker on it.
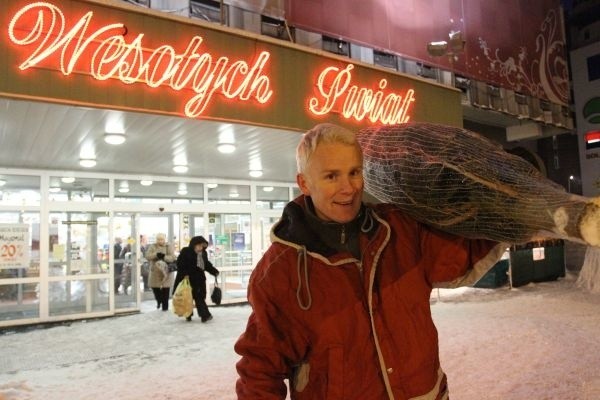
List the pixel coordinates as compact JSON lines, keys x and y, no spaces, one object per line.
{"x":193,"y":261}
{"x":341,"y":298}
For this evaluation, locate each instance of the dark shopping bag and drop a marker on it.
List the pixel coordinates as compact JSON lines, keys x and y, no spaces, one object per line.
{"x":216,"y":294}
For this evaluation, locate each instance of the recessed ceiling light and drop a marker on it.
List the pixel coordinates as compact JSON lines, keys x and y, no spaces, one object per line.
{"x":54,"y":189}
{"x":146,"y":182}
{"x":255,"y":173}
{"x":234,"y":195}
{"x":2,"y":182}
{"x":226,"y":148}
{"x":182,"y":192}
{"x":114,"y":138}
{"x":67,"y":179}
{"x":212,"y":185}
{"x":180,"y":169}
{"x":124,"y":187}
{"x":87,"y":162}
{"x":268,"y":188}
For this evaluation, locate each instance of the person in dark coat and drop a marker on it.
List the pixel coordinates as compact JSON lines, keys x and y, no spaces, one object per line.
{"x":193,"y":261}
{"x":117,"y":248}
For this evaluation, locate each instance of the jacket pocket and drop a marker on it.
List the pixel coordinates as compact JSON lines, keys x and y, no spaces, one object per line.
{"x":320,"y":377}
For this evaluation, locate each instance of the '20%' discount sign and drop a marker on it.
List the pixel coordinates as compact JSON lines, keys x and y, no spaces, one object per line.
{"x":14,"y":246}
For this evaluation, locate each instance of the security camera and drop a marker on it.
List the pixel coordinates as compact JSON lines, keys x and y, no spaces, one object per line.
{"x":161,"y":209}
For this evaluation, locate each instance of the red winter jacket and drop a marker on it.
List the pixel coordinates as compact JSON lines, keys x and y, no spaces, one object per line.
{"x":342,"y":328}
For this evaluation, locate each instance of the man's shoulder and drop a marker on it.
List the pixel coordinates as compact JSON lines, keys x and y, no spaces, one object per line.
{"x":394,"y":215}
{"x":387,"y":209}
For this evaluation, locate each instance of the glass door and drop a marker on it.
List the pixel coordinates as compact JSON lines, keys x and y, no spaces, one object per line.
{"x":78,"y":263}
{"x":127,"y":260}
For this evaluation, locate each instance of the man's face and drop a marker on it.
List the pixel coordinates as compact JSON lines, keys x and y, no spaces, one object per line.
{"x":333,"y":179}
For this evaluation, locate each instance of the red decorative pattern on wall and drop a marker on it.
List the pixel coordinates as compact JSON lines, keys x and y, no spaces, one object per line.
{"x":515,"y":44}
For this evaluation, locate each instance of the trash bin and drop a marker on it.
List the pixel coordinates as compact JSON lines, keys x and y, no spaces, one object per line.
{"x":537,"y":262}
{"x":497,"y":276}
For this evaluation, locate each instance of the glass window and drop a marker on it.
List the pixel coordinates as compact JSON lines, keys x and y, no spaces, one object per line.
{"x":230,"y":250}
{"x":78,"y":296}
{"x":19,"y":244}
{"x":19,"y":301}
{"x":266,"y":223}
{"x":593,"y":66}
{"x":152,"y":192}
{"x":229,"y":194}
{"x":69,"y":188}
{"x":272,"y":197}
{"x":19,"y":190}
{"x":296,"y":192}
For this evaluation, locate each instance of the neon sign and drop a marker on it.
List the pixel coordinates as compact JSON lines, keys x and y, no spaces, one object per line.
{"x":130,"y":62}
{"x":335,"y":90}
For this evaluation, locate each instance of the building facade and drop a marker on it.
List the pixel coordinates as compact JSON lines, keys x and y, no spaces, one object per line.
{"x":78,"y":209}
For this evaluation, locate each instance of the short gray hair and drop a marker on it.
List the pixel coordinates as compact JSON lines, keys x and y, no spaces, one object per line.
{"x":322,"y":133}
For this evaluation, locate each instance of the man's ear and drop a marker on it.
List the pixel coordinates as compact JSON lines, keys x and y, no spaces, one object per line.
{"x":302,"y":184}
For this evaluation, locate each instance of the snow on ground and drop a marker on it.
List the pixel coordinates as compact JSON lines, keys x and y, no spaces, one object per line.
{"x":541,"y":341}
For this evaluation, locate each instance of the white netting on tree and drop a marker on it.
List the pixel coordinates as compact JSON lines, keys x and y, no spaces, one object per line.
{"x":461,"y":182}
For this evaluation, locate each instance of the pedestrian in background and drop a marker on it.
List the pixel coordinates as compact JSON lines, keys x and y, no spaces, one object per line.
{"x":118,"y":260}
{"x":160,"y":250}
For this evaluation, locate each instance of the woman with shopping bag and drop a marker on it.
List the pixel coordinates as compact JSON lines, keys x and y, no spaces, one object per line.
{"x":192,"y":262}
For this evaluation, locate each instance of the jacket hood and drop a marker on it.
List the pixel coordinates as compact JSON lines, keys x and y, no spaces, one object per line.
{"x":197,"y":240}
{"x":297,"y":226}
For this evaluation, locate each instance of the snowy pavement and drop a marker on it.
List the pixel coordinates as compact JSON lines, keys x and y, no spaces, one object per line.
{"x":541,"y":341}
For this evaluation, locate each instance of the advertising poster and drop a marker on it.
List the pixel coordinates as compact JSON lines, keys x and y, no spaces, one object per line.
{"x":14,"y":246}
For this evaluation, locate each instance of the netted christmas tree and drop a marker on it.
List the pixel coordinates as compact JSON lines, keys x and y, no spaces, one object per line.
{"x":464,"y":183}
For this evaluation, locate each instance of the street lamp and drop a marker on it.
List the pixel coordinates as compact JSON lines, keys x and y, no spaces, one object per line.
{"x":571,"y":177}
{"x":451,"y":48}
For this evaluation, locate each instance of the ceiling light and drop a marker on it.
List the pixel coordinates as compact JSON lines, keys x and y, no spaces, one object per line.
{"x":226,"y":139}
{"x":268,"y":188}
{"x":124,"y":187}
{"x":234,"y":195}
{"x":54,"y":189}
{"x":87,"y":162}
{"x":146,"y":182}
{"x":182,"y":192}
{"x":226,"y":148}
{"x":212,"y":185}
{"x":67,"y":179}
{"x":180,"y":169}
{"x":255,"y":173}
{"x":2,"y":182}
{"x":114,"y":138}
